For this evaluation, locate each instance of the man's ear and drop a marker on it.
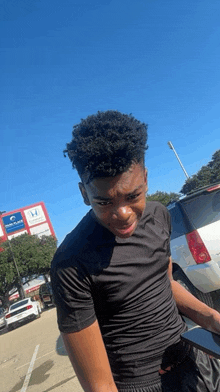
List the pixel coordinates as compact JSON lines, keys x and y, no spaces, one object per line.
{"x":84,"y":194}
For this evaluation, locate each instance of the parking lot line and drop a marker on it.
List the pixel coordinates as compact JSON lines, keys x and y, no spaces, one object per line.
{"x":28,"y":375}
{"x":53,"y":351}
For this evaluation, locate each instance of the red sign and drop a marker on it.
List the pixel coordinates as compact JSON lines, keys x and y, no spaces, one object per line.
{"x":35,"y":221}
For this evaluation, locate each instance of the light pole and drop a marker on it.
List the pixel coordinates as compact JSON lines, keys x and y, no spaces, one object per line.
{"x":172,"y":148}
{"x":22,"y":293}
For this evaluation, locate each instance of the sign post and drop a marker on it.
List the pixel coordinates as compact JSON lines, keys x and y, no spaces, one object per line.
{"x":21,"y":288}
{"x":32,"y":219}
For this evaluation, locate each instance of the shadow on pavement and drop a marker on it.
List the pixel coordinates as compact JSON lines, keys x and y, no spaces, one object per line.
{"x":37,"y":376}
{"x":60,"y":348}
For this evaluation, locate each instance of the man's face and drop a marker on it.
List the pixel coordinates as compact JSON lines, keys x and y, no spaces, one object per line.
{"x":118,"y":202}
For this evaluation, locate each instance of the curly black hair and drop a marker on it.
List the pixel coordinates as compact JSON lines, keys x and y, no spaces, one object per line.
{"x":106,"y":144}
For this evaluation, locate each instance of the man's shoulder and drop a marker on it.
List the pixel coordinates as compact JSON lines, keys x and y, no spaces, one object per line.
{"x":155,"y":208}
{"x":85,"y":232}
{"x":158,"y":211}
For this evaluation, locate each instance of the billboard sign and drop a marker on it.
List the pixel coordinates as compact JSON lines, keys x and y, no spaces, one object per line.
{"x":32,"y":219}
{"x":17,"y":234}
{"x":13,"y":222}
{"x":40,"y":230}
{"x":35,"y":215}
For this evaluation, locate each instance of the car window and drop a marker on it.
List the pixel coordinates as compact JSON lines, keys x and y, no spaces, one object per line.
{"x":17,"y":304}
{"x":43,"y":288}
{"x":177,"y":224}
{"x":203,"y":209}
{"x":180,"y":224}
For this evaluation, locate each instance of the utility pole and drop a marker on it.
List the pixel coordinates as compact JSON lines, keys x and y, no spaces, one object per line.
{"x":172,"y":148}
{"x":21,"y":291}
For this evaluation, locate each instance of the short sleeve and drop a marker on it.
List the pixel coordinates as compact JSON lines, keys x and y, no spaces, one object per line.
{"x":161,"y":214}
{"x":167,"y":221}
{"x":167,"y":225}
{"x":169,"y":228}
{"x":73,"y":298}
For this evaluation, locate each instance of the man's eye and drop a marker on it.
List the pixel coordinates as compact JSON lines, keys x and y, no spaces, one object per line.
{"x":103,"y":203}
{"x":132,"y":197}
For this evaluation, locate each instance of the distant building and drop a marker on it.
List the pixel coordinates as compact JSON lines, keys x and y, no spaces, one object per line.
{"x":30,"y":288}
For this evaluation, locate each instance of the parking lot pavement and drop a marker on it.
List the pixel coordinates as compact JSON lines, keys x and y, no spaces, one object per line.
{"x":33,"y":358}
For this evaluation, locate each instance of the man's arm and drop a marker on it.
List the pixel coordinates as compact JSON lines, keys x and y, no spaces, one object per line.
{"x":192,"y":308}
{"x":88,"y":356}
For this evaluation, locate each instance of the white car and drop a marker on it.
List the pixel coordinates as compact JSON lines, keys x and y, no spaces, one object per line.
{"x":22,"y":311}
{"x":195,"y":243}
{"x":3,"y":322}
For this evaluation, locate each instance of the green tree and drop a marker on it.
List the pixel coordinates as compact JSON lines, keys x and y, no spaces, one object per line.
{"x":207,"y":175}
{"x":163,"y":197}
{"x":214,"y":165}
{"x":32,"y":256}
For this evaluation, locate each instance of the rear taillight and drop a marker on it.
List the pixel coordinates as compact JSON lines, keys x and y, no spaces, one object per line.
{"x":8,"y":315}
{"x":197,"y":247}
{"x":213,"y":188}
{"x":29,"y":307}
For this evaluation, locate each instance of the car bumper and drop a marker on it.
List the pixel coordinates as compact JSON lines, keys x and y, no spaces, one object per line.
{"x":22,"y":319}
{"x":205,"y":277}
{"x":47,"y":300}
{"x":3,"y":326}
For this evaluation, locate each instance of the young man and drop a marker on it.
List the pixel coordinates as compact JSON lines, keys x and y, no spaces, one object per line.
{"x":117,"y":304}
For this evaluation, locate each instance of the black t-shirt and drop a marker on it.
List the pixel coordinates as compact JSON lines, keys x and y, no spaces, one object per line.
{"x":123,"y":283}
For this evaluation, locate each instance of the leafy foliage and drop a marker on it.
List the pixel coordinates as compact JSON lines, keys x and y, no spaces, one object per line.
{"x":208,"y":174}
{"x":33,"y":256}
{"x":163,"y":197}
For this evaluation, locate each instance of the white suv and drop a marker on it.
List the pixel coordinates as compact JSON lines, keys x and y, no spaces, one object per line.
{"x":195,"y":243}
{"x":22,"y":311}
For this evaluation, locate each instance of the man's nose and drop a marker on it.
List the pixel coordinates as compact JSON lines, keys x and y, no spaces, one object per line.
{"x":122,"y":213}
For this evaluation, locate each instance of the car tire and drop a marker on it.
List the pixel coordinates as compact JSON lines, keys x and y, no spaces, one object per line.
{"x":181,"y":278}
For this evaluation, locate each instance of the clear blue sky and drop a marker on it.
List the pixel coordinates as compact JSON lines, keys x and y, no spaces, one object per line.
{"x":63,"y":60}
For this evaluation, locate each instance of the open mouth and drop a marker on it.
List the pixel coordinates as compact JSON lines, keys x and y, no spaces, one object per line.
{"x":126,"y":229}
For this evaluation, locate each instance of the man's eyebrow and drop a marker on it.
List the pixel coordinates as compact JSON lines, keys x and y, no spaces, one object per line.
{"x":102,"y":198}
{"x":135,"y":190}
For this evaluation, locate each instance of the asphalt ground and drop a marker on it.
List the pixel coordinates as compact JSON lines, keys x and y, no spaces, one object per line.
{"x":33,"y":358}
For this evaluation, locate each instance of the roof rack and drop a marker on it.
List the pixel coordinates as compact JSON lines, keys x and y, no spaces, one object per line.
{"x":198,"y":190}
